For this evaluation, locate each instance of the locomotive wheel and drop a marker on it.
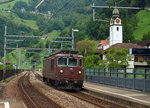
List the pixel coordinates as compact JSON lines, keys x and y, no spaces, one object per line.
{"x":44,"y":79}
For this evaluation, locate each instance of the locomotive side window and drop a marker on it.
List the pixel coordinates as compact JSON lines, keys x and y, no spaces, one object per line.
{"x":52,"y":64}
{"x":72,"y":62}
{"x":80,"y":62}
{"x":62,"y":61}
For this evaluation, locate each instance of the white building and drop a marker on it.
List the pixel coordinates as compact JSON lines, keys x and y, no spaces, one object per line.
{"x":116,"y":31}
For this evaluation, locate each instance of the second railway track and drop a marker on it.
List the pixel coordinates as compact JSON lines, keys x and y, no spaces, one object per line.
{"x":95,"y":101}
{"x":32,"y":97}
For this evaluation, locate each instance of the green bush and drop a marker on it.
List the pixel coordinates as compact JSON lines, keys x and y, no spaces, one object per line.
{"x":1,"y":67}
{"x":8,"y":66}
{"x":91,"y":61}
{"x":148,"y":62}
{"x":141,"y":61}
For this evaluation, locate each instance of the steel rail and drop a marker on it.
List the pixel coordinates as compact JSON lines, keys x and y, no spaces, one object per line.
{"x":79,"y":95}
{"x":25,"y":92}
{"x":72,"y":94}
{"x":38,"y":99}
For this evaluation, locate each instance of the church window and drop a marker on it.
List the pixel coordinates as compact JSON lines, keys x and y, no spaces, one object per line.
{"x":117,"y":28}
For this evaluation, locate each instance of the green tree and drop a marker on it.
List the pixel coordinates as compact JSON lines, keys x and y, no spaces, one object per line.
{"x":58,"y":25}
{"x":146,"y":36}
{"x":86,"y":47}
{"x":92,"y":61}
{"x":117,"y":58}
{"x":20,"y":5}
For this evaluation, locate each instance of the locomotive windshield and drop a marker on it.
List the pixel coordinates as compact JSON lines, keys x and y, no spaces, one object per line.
{"x":62,"y":61}
{"x":72,"y":62}
{"x":80,"y":62}
{"x":67,"y":61}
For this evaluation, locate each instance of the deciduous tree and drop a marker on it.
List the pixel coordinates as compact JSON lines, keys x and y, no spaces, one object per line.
{"x":86,"y":47}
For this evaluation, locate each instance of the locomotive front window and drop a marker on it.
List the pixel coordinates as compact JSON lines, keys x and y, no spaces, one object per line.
{"x":80,"y":62}
{"x":72,"y":62}
{"x":62,"y":61}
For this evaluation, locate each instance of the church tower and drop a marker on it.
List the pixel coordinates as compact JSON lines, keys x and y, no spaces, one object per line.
{"x":115,"y":28}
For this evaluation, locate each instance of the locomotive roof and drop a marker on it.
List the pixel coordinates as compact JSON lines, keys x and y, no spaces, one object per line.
{"x":65,"y":52}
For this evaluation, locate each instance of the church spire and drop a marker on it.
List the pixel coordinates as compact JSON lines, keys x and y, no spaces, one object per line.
{"x":115,"y":18}
{"x":115,"y":12}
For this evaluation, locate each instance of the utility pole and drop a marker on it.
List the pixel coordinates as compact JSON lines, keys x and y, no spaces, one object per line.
{"x":93,"y":12}
{"x":73,"y":30}
{"x":61,"y":46}
{"x":49,"y":51}
{"x":4,"y":61}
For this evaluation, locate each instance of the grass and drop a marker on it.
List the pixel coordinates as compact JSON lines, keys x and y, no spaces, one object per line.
{"x":54,"y":33}
{"x":43,"y":42}
{"x":143,"y":26}
{"x":9,"y":5}
{"x":30,"y":23}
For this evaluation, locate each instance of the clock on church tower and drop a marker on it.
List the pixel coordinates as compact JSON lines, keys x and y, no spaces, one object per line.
{"x":118,"y":21}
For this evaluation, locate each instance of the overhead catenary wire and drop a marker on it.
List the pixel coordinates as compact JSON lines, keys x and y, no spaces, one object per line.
{"x":94,"y":7}
{"x":137,"y":8}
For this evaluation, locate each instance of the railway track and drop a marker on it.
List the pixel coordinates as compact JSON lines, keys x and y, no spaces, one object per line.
{"x":32,"y":97}
{"x":95,"y":101}
{"x":89,"y":98}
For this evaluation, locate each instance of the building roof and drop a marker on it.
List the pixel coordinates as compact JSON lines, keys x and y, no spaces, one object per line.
{"x":115,"y":11}
{"x":125,"y":45}
{"x":144,"y":43}
{"x":105,"y":42}
{"x":102,"y":43}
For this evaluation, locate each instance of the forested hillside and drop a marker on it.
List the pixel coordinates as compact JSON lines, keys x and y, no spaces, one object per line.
{"x":20,"y":17}
{"x":58,"y":17}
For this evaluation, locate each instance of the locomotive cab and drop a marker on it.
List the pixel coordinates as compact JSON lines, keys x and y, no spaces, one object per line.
{"x":70,"y":71}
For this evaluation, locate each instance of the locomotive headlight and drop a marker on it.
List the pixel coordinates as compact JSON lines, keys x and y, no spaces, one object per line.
{"x":80,"y":72}
{"x":61,"y":71}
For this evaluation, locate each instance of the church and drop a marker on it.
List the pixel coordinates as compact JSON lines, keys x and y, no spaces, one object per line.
{"x":116,"y":41}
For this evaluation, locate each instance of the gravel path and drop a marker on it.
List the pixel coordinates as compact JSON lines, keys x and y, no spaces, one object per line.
{"x":10,"y":92}
{"x":11,"y":89}
{"x":1,"y":91}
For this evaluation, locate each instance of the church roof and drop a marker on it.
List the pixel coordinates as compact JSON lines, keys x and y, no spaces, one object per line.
{"x":144,"y":43}
{"x":105,"y":42}
{"x":102,"y":43}
{"x":115,"y":11}
{"x":125,"y":45}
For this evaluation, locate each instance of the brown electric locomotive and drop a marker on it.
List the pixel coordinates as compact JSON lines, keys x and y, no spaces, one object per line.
{"x":64,"y":70}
